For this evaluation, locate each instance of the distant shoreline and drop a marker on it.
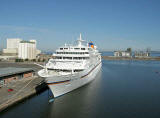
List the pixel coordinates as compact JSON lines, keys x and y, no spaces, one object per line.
{"x":131,"y":58}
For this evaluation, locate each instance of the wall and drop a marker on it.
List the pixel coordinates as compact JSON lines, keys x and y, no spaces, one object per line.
{"x":9,"y":79}
{"x":25,"y":75}
{"x":18,"y":76}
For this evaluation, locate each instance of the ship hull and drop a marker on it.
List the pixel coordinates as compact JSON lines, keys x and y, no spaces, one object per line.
{"x":72,"y":83}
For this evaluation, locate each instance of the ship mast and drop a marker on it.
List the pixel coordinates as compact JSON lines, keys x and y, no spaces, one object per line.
{"x":80,"y":40}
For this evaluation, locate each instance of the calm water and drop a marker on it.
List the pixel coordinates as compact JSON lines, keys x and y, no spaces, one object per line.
{"x":123,"y":89}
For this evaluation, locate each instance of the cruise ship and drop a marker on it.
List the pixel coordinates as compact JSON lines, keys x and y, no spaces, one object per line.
{"x":71,"y":67}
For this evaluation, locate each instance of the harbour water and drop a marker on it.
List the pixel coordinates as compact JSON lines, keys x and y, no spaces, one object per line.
{"x":123,"y":89}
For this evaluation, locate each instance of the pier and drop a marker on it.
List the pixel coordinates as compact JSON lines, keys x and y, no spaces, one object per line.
{"x":131,"y":58}
{"x":18,"y":90}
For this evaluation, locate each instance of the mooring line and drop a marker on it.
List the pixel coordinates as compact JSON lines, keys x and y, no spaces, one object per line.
{"x":17,"y":93}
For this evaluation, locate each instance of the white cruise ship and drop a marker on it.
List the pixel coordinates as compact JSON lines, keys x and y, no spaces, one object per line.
{"x":72,"y":66}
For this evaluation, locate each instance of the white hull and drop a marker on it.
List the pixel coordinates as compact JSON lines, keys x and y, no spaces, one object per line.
{"x":74,"y":82}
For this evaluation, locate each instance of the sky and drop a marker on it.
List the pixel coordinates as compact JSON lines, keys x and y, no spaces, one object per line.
{"x":110,"y":24}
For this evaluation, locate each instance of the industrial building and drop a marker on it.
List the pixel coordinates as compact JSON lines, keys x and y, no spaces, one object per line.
{"x":27,"y":49}
{"x":122,"y":54}
{"x":20,"y":48}
{"x":10,"y":74}
{"x":127,"y":53}
{"x":12,"y":46}
{"x":141,"y":54}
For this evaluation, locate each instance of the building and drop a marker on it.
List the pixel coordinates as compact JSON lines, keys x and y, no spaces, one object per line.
{"x":7,"y":58}
{"x":127,"y":53}
{"x":22,"y":49}
{"x":27,"y":50}
{"x":122,"y":54}
{"x":11,"y":74}
{"x":141,"y":54}
{"x":117,"y":54}
{"x":38,"y":52}
{"x":12,"y":46}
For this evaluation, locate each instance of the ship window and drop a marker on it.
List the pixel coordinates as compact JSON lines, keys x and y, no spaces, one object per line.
{"x":77,"y":70}
{"x":59,"y":52}
{"x":75,"y":57}
{"x":86,"y":52}
{"x":58,"y":57}
{"x":67,"y":57}
{"x":90,"y":49}
{"x":76,"y":48}
{"x":67,"y":70}
{"x":86,"y":57}
{"x":65,"y":48}
{"x":78,"y":58}
{"x":82,"y":48}
{"x":61,"y":48}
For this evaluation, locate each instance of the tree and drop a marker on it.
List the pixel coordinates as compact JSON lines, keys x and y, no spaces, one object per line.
{"x":44,"y":60}
{"x":33,"y":60}
{"x":129,"y":50}
{"x":39,"y":60}
{"x":26,"y":59}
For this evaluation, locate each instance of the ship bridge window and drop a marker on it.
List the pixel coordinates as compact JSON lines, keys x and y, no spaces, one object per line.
{"x":80,"y":58}
{"x":65,"y":48}
{"x":76,"y":48}
{"x":82,"y":48}
{"x":61,"y":48}
{"x":58,"y":57}
{"x":67,"y":58}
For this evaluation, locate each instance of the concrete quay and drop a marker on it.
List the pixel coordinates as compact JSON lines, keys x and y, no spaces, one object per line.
{"x":22,"y":88}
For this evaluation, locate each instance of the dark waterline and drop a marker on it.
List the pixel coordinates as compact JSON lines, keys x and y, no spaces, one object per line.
{"x":123,"y":89}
